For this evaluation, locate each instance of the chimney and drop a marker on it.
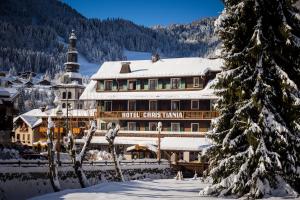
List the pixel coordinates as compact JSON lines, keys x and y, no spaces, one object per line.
{"x":155,"y":57}
{"x":125,"y":68}
{"x":43,"y":108}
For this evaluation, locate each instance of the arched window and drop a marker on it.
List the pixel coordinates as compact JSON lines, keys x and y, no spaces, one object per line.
{"x":63,"y":105}
{"x":69,"y":95}
{"x":64,"y":95}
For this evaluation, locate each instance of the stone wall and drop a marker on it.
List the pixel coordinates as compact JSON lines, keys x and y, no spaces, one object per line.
{"x":25,"y":182}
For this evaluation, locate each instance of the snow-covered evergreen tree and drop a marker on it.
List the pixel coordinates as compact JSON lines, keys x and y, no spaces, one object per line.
{"x":256,"y":138}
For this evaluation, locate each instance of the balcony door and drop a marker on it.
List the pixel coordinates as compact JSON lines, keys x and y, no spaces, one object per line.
{"x":152,"y":105}
{"x":175,"y":105}
{"x":131,"y":105}
{"x":107,"y":106}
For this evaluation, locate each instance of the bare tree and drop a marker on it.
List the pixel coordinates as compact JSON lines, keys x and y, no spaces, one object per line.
{"x":110,"y":137}
{"x":52,"y":166}
{"x":77,"y":159}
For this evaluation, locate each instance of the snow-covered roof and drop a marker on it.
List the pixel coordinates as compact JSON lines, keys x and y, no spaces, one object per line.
{"x":192,"y":66}
{"x":73,"y":75}
{"x":90,"y":94}
{"x":69,"y":85}
{"x":147,"y":146}
{"x":52,"y":113}
{"x":31,"y":121}
{"x":167,"y":143}
{"x":8,"y":93}
{"x":184,"y":143}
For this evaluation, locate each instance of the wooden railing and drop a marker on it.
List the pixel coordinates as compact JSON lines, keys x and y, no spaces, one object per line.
{"x":163,"y":115}
{"x":36,"y":163}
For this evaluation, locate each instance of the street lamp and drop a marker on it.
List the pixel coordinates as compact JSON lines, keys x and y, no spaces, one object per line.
{"x":159,"y":128}
{"x":59,"y":114}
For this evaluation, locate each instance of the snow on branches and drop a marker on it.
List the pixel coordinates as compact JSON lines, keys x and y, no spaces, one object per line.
{"x":256,"y":135}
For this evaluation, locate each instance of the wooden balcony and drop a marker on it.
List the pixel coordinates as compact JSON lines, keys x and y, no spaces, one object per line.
{"x":159,"y":115}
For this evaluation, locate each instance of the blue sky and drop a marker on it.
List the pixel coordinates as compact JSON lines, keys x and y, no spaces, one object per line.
{"x":148,"y":12}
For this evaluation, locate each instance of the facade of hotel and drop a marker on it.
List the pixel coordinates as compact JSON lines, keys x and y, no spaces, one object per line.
{"x":139,"y":94}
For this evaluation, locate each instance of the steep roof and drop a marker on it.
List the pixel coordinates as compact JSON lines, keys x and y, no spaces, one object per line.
{"x":31,"y":121}
{"x":172,"y":67}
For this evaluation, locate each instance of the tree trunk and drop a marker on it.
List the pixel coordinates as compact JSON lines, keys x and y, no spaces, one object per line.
{"x":53,"y":175}
{"x":116,"y":162}
{"x":78,"y":159}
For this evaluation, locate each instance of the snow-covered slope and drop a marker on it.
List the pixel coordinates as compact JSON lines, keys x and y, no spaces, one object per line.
{"x":137,"y":55}
{"x":87,"y":68}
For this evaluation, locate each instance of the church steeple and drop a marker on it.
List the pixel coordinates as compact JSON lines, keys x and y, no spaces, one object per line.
{"x":72,"y":64}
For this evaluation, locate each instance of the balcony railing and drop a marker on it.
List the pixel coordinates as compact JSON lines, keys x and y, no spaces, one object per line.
{"x":161,"y":115}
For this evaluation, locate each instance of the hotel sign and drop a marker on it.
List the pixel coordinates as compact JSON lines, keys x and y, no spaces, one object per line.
{"x":153,"y":115}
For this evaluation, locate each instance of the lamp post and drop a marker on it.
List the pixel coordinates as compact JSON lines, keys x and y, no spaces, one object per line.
{"x":59,"y":115}
{"x":159,"y":128}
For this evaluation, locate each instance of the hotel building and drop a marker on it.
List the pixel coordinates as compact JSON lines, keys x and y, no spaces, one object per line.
{"x":139,"y":94}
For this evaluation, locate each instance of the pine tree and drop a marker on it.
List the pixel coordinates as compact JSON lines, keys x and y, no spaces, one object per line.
{"x":256,"y":138}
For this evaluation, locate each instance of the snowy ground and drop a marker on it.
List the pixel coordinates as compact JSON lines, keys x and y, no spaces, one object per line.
{"x":136,"y":190}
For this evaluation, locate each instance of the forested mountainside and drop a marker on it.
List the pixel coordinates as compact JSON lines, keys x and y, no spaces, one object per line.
{"x":33,"y":35}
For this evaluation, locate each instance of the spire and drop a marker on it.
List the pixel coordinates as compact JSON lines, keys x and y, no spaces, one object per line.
{"x":72,"y":64}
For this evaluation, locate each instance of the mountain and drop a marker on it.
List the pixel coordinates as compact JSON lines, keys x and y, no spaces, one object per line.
{"x":197,"y":32}
{"x":33,"y":34}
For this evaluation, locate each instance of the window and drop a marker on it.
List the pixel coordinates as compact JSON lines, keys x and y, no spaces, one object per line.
{"x":69,"y":95}
{"x":175,"y":105}
{"x":194,"y":156}
{"x":64,"y":95}
{"x":175,"y":127}
{"x":194,"y":127}
{"x":103,"y":126}
{"x":142,"y":84}
{"x":194,"y":104}
{"x":108,"y":85}
{"x":153,"y":105}
{"x":175,"y":83}
{"x":164,"y":84}
{"x":152,"y":84}
{"x":23,"y":137}
{"x":196,"y":81}
{"x":131,"y":105}
{"x":131,"y":126}
{"x":152,"y":126}
{"x":18,"y":137}
{"x":131,"y":84}
{"x":107,"y":106}
{"x":28,"y":137}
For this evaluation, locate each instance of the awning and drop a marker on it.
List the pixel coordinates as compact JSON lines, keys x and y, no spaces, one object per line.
{"x":184,"y":144}
{"x":142,"y":147}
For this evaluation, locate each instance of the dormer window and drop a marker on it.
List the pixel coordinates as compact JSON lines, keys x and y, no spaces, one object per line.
{"x":152,"y":84}
{"x":131,"y":84}
{"x":175,"y":83}
{"x":196,"y":81}
{"x":108,"y":85}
